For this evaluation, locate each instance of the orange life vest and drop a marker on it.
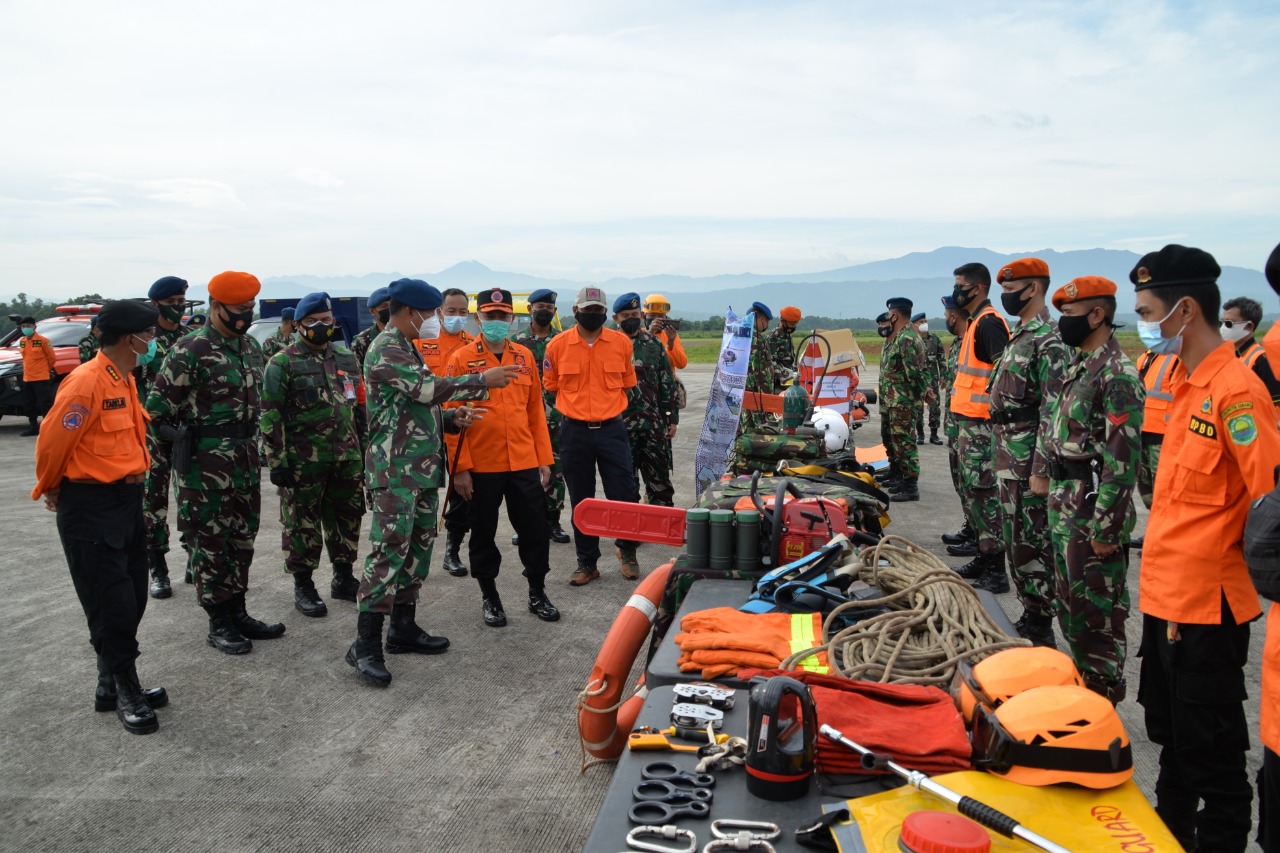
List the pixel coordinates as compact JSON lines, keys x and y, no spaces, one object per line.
{"x":1159,"y":376}
{"x":1251,"y":354}
{"x":971,"y":397}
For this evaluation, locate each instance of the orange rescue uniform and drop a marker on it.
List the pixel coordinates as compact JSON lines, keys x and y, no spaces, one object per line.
{"x":970,"y":396}
{"x":590,"y":381}
{"x":39,"y":362}
{"x":512,"y":435}
{"x":96,"y":429}
{"x":436,"y":351}
{"x":1219,"y":454}
{"x":1271,"y":650}
{"x":675,"y":349}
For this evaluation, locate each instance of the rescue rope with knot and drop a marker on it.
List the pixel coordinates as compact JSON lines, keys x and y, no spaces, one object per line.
{"x":935,"y":620}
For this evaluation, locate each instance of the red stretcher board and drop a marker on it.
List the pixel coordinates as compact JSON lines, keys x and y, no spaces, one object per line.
{"x":658,"y":525}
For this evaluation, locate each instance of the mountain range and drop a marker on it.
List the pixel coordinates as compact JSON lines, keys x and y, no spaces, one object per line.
{"x":853,"y":291}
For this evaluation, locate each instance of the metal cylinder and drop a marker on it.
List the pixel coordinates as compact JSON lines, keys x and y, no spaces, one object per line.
{"x":722,"y":539}
{"x":697,"y":532}
{"x":747,"y":546}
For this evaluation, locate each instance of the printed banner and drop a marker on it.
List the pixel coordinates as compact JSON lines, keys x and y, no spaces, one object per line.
{"x":724,"y":403}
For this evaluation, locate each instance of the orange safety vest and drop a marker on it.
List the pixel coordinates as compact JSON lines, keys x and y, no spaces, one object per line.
{"x":971,"y":397}
{"x":1159,"y":376}
{"x":1251,"y":354}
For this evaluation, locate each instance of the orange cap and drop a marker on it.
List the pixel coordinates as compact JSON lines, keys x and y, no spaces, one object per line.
{"x":1085,"y":287}
{"x":1023,"y":268}
{"x":790,"y":314}
{"x":233,"y":288}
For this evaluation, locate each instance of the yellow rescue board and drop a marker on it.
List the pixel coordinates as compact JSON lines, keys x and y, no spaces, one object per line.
{"x":1083,"y":820}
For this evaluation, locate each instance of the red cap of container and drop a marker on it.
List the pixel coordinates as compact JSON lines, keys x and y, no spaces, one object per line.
{"x":942,"y":832}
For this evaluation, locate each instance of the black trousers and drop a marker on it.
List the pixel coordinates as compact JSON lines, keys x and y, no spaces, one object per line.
{"x":37,"y":396}
{"x":105,"y":541}
{"x":582,"y":451}
{"x":1192,"y":693}
{"x":527,"y":511}
{"x":1269,"y":803}
{"x":457,"y":518}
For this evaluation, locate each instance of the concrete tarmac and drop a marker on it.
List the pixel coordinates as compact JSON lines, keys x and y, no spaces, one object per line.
{"x":284,"y":749}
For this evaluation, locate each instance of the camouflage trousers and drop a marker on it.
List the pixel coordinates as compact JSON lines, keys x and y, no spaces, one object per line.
{"x":325,"y":508}
{"x":1091,"y":594}
{"x":935,"y":412}
{"x":651,"y":461}
{"x":404,"y":529}
{"x":155,"y":503}
{"x":1024,"y":517}
{"x":1148,"y":461}
{"x":976,"y":452}
{"x":219,"y":527}
{"x":555,"y":488}
{"x":896,"y":430}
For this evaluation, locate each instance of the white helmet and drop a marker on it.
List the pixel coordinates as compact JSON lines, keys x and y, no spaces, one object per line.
{"x":834,"y":427}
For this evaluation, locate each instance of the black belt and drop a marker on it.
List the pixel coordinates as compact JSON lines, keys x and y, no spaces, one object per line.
{"x":1070,"y":469}
{"x":242,"y":430}
{"x":593,"y":424}
{"x":1020,"y":415}
{"x":127,"y":480}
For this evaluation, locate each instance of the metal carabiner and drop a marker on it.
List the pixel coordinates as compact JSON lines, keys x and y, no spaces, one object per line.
{"x":668,"y":832}
{"x":742,"y":841}
{"x":750,"y":835}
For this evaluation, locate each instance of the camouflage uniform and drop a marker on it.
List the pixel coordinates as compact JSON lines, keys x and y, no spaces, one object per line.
{"x":903,"y":382}
{"x":309,"y":428}
{"x":278,"y":341}
{"x":950,"y":426}
{"x":155,"y":506}
{"x":403,"y":466}
{"x":555,"y":488}
{"x":212,"y":384}
{"x":783,"y":353}
{"x":361,"y":342}
{"x":1024,"y":385}
{"x":89,"y":346}
{"x":1097,"y":421}
{"x":760,"y":380}
{"x":651,"y":407}
{"x":935,"y":359}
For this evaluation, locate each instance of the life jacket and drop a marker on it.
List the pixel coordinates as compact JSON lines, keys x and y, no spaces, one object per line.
{"x":1251,"y":354}
{"x":971,"y":397}
{"x":1157,"y":376}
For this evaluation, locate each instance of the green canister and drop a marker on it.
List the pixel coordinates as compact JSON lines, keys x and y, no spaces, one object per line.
{"x":722,"y":539}
{"x":747,"y":549}
{"x":697,"y":533}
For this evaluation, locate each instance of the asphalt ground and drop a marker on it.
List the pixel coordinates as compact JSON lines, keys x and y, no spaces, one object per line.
{"x":284,"y":749}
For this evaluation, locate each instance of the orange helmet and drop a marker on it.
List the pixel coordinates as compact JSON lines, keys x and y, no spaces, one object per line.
{"x":995,"y":679}
{"x":1053,"y":734}
{"x":656,"y":303}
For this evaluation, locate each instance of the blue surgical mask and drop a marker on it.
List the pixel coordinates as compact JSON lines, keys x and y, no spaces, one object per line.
{"x":495,"y":330}
{"x":453,"y":325}
{"x":28,"y":330}
{"x":1154,"y":339}
{"x":145,"y":358}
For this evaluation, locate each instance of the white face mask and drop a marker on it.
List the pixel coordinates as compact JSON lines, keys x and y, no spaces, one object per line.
{"x":429,"y":327}
{"x":924,"y":327}
{"x":1235,"y":332}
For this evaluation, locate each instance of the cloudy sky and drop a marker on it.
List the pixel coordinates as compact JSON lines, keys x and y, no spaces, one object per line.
{"x":592,"y":139}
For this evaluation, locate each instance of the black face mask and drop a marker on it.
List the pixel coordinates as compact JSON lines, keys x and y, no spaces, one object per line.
{"x":884,"y":331}
{"x":1074,"y":330}
{"x":951,"y":327}
{"x":237,"y":322}
{"x":543,"y":318}
{"x":1013,"y":303}
{"x":319,"y":334}
{"x":630,"y":326}
{"x":384,"y":316}
{"x":591,"y":321}
{"x":171,"y":313}
{"x":961,"y":297}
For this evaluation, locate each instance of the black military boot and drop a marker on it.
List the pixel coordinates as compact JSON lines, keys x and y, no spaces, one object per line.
{"x":977,"y":567}
{"x":910,"y":491}
{"x":541,"y":606}
{"x":1111,"y":689}
{"x":159,"y":575}
{"x":964,"y":549}
{"x":995,"y":579}
{"x":345,"y":585}
{"x":224,"y":631}
{"x":104,"y":697}
{"x":131,"y":707}
{"x":920,"y":438}
{"x":933,"y":437}
{"x":964,"y":534}
{"x":452,"y":560}
{"x":305,"y":597}
{"x":558,"y":533}
{"x":405,"y":636}
{"x":365,"y":653}
{"x":32,"y":429}
{"x":250,"y":627}
{"x":190,"y":575}
{"x":1037,"y":629}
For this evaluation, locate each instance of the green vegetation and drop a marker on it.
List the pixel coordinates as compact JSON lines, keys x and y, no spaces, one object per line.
{"x":37,"y":308}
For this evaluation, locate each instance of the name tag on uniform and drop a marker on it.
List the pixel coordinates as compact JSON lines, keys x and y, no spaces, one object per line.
{"x":348,"y":386}
{"x":1202,"y":427}
{"x":113,"y":403}
{"x":476,"y":365}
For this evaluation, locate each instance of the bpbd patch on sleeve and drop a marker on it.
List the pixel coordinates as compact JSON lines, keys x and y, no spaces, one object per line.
{"x":1202,"y":427}
{"x":75,"y":416}
{"x":1242,"y":428}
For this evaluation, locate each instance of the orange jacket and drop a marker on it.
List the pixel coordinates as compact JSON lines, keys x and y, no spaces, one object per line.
{"x":1271,"y":343}
{"x":39,"y":362}
{"x":1271,"y":682}
{"x":675,"y":349}
{"x":436,"y":351}
{"x":970,"y":395}
{"x":590,"y":381}
{"x":1219,"y":455}
{"x":96,"y":429}
{"x":1161,"y":375}
{"x":512,"y":435}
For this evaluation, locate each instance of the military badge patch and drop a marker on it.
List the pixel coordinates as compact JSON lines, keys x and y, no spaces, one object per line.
{"x":1207,"y":405}
{"x":1242,"y":429}
{"x":74,"y":418}
{"x":1237,"y":407}
{"x":1071,"y":290}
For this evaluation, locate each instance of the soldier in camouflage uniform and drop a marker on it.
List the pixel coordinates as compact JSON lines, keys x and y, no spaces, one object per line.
{"x":282,"y":336}
{"x":759,"y":372}
{"x":1092,"y":445}
{"x":535,"y":337}
{"x":957,"y":321}
{"x":379,"y":307}
{"x":404,"y":472}
{"x":652,"y":414}
{"x":168,"y":295}
{"x":313,"y":451}
{"x":209,"y":386}
{"x":904,"y":382}
{"x":1024,"y":386}
{"x":935,"y":359}
{"x":89,"y":344}
{"x":781,"y":349}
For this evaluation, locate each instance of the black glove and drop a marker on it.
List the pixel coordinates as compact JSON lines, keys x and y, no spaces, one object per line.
{"x":283,"y":477}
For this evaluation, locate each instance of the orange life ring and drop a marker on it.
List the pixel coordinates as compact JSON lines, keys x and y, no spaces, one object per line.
{"x":604,"y":723}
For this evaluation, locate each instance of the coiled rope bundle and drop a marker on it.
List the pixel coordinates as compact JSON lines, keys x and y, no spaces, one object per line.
{"x":935,"y":620}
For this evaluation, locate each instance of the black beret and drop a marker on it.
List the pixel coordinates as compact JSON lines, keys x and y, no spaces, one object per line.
{"x":1273,"y":269}
{"x":899,"y":303}
{"x":883,"y":318}
{"x":168,"y":286}
{"x":126,"y":317}
{"x":1175,"y":264}
{"x":26,"y":320}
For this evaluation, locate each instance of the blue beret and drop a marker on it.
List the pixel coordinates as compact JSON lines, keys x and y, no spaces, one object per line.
{"x":626,"y":302}
{"x":379,"y":296}
{"x":917,"y":318}
{"x":168,"y":286}
{"x":949,"y":303}
{"x":543,"y":295}
{"x":287,"y":314}
{"x":312,"y":303}
{"x":762,"y":309}
{"x":415,"y":293}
